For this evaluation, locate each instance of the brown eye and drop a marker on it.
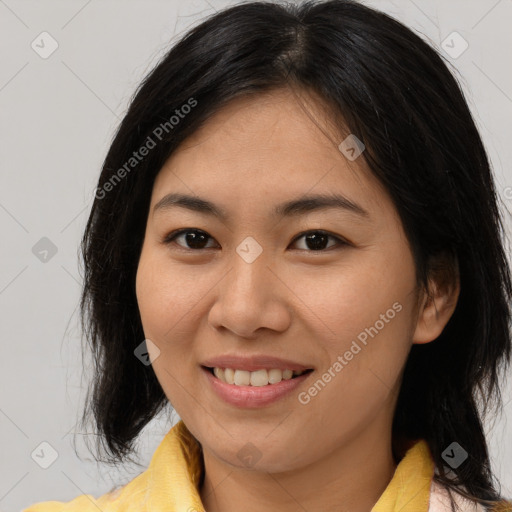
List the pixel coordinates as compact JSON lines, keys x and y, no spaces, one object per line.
{"x":318,"y":239}
{"x":195,"y":239}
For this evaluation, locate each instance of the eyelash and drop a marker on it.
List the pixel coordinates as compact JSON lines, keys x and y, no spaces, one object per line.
{"x":175,"y":234}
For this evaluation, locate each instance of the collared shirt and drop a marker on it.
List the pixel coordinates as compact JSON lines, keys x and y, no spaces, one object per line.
{"x":171,"y":484}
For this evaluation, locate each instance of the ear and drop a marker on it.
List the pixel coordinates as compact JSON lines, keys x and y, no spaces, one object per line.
{"x":437,"y":305}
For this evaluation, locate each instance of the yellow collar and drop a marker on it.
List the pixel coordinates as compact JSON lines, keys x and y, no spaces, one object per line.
{"x":172,"y":478}
{"x":409,"y":489}
{"x":171,"y":483}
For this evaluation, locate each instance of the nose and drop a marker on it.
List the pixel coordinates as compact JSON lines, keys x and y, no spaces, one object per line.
{"x":250,"y":298}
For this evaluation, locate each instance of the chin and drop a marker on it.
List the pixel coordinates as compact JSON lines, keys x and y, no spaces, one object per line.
{"x":270,"y":456}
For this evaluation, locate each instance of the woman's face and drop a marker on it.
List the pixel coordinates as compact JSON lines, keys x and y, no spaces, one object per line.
{"x":254,"y":284}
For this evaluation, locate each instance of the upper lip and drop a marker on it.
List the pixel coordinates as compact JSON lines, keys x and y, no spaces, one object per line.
{"x":253,"y":363}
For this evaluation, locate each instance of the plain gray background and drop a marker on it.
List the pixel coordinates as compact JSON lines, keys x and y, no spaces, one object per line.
{"x":57,"y":118}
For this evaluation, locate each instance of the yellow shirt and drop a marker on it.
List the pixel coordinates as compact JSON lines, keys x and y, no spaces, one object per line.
{"x":170,"y":484}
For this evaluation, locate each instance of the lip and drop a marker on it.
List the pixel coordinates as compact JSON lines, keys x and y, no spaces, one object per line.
{"x":252,"y":397}
{"x":253,"y":363}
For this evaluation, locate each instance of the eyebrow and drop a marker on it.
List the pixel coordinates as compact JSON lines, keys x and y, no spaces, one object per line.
{"x":288,"y":209}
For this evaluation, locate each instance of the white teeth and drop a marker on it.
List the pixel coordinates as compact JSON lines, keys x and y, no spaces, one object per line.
{"x":229,"y":375}
{"x":242,"y":378}
{"x":259,"y":378}
{"x":256,"y":378}
{"x":274,"y":376}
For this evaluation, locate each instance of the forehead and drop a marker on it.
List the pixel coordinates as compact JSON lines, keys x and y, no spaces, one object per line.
{"x":263,"y":149}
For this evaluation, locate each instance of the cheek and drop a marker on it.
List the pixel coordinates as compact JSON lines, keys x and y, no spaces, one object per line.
{"x":166,"y":296}
{"x":166,"y":300}
{"x":172,"y":300}
{"x":360,"y":301}
{"x":365,"y":348}
{"x":363,"y":316}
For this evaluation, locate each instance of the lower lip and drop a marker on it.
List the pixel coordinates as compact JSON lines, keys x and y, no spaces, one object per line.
{"x":253,"y":396}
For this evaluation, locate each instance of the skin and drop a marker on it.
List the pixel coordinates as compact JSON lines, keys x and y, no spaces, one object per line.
{"x":293,"y":302}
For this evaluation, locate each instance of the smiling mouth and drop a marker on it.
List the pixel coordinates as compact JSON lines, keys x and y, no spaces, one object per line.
{"x":258,"y":378}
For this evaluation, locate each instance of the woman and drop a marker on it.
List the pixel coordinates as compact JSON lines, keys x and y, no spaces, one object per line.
{"x":296,"y":243}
